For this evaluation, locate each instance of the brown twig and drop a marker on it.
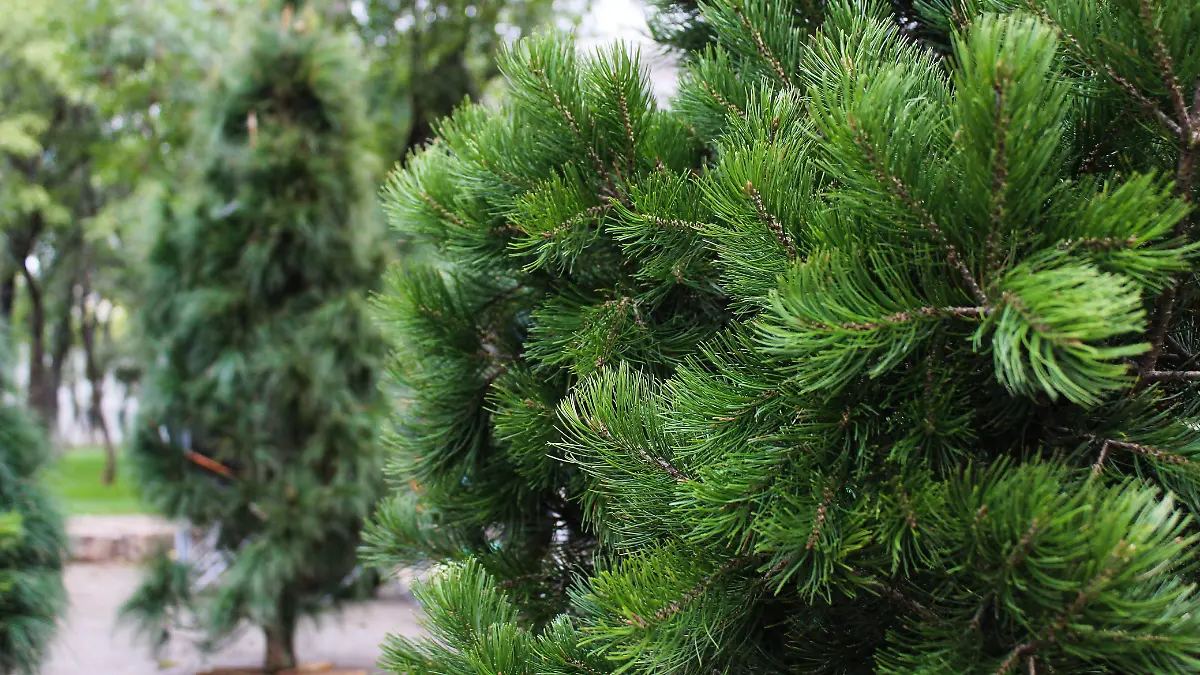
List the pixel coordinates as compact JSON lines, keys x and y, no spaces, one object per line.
{"x":1145,"y":450}
{"x":1172,"y":375}
{"x":1099,"y":465}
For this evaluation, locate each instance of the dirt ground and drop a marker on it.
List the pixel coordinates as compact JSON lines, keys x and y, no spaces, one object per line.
{"x":91,"y":642}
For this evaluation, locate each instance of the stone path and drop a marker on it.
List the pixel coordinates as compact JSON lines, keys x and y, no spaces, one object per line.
{"x":90,"y":642}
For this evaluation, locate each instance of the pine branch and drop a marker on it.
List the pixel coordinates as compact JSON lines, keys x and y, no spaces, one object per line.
{"x":1050,"y":633}
{"x":761,"y":45}
{"x":901,"y":317}
{"x":664,"y":465}
{"x":675,"y":223}
{"x":1099,"y":243}
{"x":1144,"y":450}
{"x":672,"y":608}
{"x":896,"y":186}
{"x":1185,"y":176}
{"x":999,"y":182}
{"x":507,"y":175}
{"x":624,"y":105}
{"x":561,"y":108}
{"x":1023,"y":547}
{"x":584,"y":216}
{"x":737,"y":112}
{"x":898,"y":596}
{"x":1167,"y":65}
{"x":1014,"y":657}
{"x":935,"y":355}
{"x":977,"y":619}
{"x":442,"y":210}
{"x":1196,"y":110}
{"x":1148,"y":105}
{"x":1164,"y":308}
{"x":770,"y":220}
{"x":819,"y":521}
{"x":1181,"y":352}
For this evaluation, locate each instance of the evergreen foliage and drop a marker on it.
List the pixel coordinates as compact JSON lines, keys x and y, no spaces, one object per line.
{"x":261,"y":409}
{"x":873,"y":355}
{"x":33,"y":543}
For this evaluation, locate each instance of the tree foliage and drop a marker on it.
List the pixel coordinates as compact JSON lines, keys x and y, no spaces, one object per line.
{"x":32,"y":545}
{"x":261,"y":404}
{"x":105,"y":91}
{"x":871,"y":355}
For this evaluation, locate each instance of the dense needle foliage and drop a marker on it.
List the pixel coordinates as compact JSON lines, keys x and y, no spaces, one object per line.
{"x":874,"y":354}
{"x":261,"y":412}
{"x":33,"y":541}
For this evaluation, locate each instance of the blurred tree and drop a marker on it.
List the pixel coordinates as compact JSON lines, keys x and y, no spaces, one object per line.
{"x":426,"y":57}
{"x":260,"y":411}
{"x":104,"y":93}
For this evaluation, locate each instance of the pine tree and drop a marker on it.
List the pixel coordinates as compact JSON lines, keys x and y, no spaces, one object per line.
{"x":894,"y":375}
{"x":260,"y":415}
{"x":33,"y":542}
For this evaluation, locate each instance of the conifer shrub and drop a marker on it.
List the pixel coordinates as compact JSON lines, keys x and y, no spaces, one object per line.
{"x":873,"y":354}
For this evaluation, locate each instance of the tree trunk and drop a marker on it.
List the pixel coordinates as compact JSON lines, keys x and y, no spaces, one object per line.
{"x":281,"y":647}
{"x":38,"y":397}
{"x":281,"y":635}
{"x":59,"y":352}
{"x":8,"y":293}
{"x":95,"y":377}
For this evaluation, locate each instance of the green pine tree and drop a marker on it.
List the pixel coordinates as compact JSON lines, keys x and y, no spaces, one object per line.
{"x":894,"y":375}
{"x":33,"y":541}
{"x":261,"y":410}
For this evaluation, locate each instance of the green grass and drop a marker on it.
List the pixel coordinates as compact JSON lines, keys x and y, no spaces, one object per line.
{"x":75,"y":478}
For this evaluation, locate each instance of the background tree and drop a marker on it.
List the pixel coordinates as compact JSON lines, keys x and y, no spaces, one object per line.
{"x":932,"y":410}
{"x":107,"y":91}
{"x":32,"y":545}
{"x":259,"y":417}
{"x":425,"y":59}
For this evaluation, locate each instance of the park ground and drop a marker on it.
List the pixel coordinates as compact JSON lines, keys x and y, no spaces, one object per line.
{"x":92,"y":641}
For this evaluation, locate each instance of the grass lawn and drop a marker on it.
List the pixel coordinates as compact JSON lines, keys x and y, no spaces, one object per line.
{"x":75,"y":479}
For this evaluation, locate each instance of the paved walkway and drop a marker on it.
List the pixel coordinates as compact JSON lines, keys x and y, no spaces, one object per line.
{"x":92,"y":643}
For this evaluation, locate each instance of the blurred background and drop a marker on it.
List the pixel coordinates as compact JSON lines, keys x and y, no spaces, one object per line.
{"x":97,"y":104}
